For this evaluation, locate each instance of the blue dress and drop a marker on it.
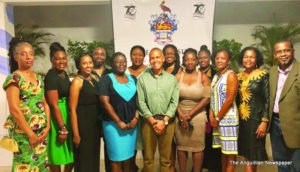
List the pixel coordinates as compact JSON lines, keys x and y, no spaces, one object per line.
{"x":120,"y":143}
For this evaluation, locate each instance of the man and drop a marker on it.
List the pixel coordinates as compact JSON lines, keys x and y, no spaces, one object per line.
{"x":285,"y":107}
{"x":99,"y":57}
{"x":157,"y":99}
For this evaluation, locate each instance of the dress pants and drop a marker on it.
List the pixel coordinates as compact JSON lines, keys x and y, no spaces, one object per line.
{"x":164,"y":141}
{"x":280,"y":151}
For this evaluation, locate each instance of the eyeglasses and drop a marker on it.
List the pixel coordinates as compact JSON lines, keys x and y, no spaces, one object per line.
{"x":278,"y":52}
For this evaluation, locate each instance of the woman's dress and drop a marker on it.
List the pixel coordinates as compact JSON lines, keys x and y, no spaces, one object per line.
{"x":59,"y":153}
{"x":87,"y":155}
{"x":253,"y":108}
{"x":31,"y":106}
{"x":122,"y":97}
{"x":192,"y":139}
{"x":225,"y":137}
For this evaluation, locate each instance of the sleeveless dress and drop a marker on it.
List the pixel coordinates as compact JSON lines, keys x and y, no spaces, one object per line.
{"x":59,"y":153}
{"x":31,"y":105}
{"x":253,"y":109}
{"x":226,"y":137}
{"x":86,"y":156}
{"x":192,"y":139}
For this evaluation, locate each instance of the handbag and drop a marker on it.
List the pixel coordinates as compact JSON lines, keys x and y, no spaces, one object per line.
{"x":9,"y":144}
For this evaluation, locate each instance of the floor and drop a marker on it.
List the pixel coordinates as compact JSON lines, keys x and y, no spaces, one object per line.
{"x":239,"y":168}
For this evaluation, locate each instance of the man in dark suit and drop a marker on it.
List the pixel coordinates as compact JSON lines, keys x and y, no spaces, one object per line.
{"x":285,"y":108}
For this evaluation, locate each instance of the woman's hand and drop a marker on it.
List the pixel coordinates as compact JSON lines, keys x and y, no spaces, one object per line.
{"x":213,"y":122}
{"x":76,"y":140}
{"x":261,"y":130}
{"x":62,"y":137}
{"x":133,"y":123}
{"x":123,"y":126}
{"x":34,"y":140}
{"x":183,"y":121}
{"x":186,"y":117}
{"x":43,"y":134}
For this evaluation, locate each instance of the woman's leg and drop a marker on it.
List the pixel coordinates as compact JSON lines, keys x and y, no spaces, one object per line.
{"x":228,"y":165}
{"x":68,"y":167}
{"x":126,"y":165}
{"x":197,"y":161}
{"x":250,"y":168}
{"x":182,"y":159}
{"x":116,"y":166}
{"x":54,"y":168}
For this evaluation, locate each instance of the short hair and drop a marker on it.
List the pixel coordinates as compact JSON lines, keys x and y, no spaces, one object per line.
{"x":177,"y":59}
{"x":258,"y":56}
{"x":205,"y":49}
{"x":78,"y":59}
{"x":138,"y":47}
{"x":285,"y":40}
{"x":54,"y":47}
{"x":189,"y":50}
{"x":14,"y":46}
{"x":220,"y":50}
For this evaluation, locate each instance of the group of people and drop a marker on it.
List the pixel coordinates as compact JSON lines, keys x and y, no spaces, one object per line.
{"x":191,"y":107}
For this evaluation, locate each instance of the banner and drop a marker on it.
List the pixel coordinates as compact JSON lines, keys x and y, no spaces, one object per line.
{"x":155,"y":23}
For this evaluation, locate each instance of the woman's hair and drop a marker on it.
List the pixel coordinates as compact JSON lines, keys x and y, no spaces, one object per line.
{"x":13,"y":50}
{"x":177,"y":60}
{"x":54,"y":47}
{"x":189,"y":50}
{"x":205,"y":49}
{"x":220,"y":50}
{"x":78,"y":59}
{"x":137,"y":47}
{"x":258,"y":55}
{"x":115,"y":55}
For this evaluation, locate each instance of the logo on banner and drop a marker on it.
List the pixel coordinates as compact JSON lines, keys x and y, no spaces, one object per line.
{"x":163,"y":25}
{"x":130,"y":11}
{"x":199,"y":10}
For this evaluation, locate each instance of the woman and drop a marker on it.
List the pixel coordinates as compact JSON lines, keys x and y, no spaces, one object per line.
{"x":212,"y":157}
{"x":223,"y":113}
{"x":172,"y":66}
{"x":194,"y":95}
{"x":57,"y":84}
{"x":172,"y":61}
{"x":204,"y":57}
{"x":83,"y":103}
{"x":137,"y":55}
{"x":117,"y":93}
{"x":29,"y":120}
{"x":253,"y":107}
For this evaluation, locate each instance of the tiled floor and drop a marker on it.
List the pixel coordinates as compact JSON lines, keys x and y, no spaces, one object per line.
{"x":239,"y":168}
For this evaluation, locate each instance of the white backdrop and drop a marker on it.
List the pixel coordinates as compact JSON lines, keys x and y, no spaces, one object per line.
{"x":191,"y":21}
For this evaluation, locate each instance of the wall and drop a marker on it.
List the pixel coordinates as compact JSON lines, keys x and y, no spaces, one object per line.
{"x":80,"y":23}
{"x":242,"y":33}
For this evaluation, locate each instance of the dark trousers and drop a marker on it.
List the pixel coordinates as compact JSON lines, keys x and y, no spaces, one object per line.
{"x":281,"y":152}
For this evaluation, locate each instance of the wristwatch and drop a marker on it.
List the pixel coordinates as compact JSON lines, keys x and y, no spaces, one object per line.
{"x":166,"y":122}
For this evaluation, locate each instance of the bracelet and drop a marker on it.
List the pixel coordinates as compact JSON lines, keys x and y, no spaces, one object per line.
{"x":135,"y":118}
{"x":62,"y":127}
{"x":63,"y":132}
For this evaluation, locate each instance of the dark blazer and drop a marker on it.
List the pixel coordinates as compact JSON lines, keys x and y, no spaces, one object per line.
{"x":289,"y":104}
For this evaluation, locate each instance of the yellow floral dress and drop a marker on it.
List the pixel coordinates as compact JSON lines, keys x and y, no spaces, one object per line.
{"x":31,"y":95}
{"x":253,"y":104}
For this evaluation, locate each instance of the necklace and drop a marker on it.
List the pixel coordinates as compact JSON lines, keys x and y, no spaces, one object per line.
{"x":89,"y":78}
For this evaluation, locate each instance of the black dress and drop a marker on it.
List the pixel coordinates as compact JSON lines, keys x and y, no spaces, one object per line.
{"x":86,"y":156}
{"x":253,"y":109}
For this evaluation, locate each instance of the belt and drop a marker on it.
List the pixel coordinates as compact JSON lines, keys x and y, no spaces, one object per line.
{"x":276,"y":115}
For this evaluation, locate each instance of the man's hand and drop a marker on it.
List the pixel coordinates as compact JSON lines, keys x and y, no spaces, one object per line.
{"x":159,"y":127}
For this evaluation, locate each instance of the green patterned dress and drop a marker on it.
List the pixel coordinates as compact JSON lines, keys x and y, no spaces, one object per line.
{"x":31,"y":95}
